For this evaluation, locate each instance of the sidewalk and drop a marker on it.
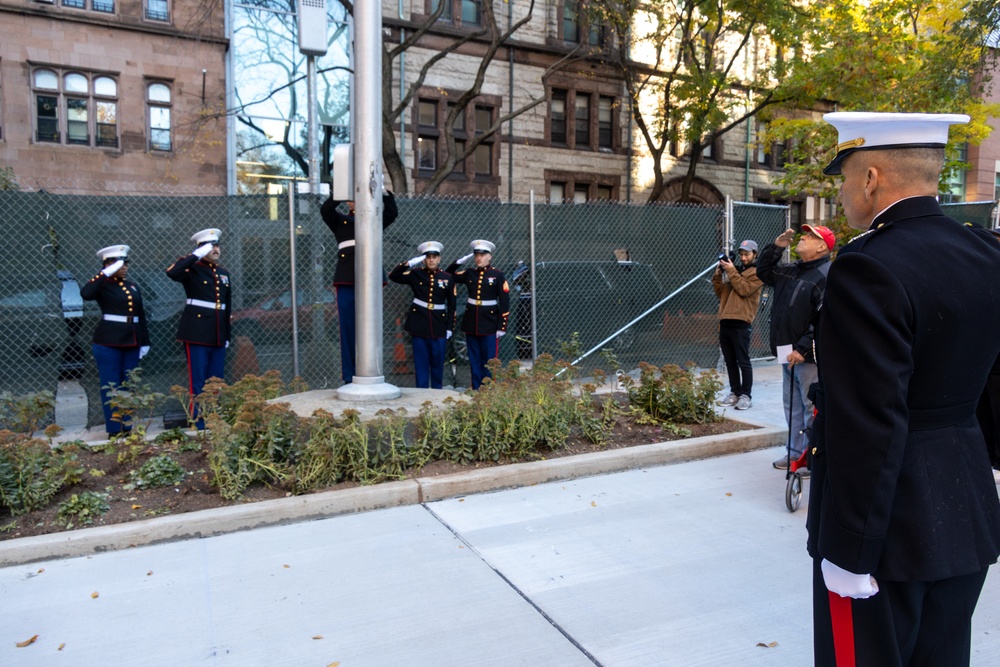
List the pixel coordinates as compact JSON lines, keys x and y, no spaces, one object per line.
{"x":697,"y":563}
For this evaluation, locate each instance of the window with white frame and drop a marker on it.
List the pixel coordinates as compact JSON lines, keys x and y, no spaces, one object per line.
{"x":159,"y":102}
{"x":996,"y":187}
{"x":158,"y":10}
{"x":75,"y":107}
{"x":104,"y":6}
{"x":953,"y":189}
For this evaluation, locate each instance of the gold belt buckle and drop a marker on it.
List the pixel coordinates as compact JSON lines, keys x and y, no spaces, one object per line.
{"x":479,"y":302}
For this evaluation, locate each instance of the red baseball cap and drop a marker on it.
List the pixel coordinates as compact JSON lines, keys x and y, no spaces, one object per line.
{"x":824,"y":233}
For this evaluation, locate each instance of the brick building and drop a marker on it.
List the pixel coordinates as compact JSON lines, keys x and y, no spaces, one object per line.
{"x":113,"y":95}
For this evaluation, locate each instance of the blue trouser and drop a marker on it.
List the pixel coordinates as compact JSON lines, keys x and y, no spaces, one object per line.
{"x":481,"y":349}
{"x":345,"y":310}
{"x":204,"y":361}
{"x":798,"y":407}
{"x":428,"y":361}
{"x":113,"y":365}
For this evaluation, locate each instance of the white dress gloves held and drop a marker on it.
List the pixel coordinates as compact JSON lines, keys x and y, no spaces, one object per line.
{"x":112,"y":269}
{"x":143,"y":351}
{"x":463,"y":260}
{"x":415,"y":262}
{"x":847,"y":584}
{"x":203,"y":250}
{"x":501,"y":333}
{"x":447,"y":336}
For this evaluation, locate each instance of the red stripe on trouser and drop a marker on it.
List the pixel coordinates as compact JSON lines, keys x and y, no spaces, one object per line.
{"x":187,"y":349}
{"x":842,"y":623}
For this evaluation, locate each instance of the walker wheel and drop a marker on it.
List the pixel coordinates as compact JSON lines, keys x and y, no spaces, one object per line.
{"x":793,"y":492}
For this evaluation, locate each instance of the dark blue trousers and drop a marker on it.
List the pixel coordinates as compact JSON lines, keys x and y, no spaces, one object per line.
{"x":481,"y":349}
{"x":204,"y":361}
{"x":345,"y":310}
{"x":113,"y":364}
{"x":428,"y":361}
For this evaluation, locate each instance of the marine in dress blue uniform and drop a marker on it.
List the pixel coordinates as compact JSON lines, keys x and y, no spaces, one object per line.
{"x":342,"y":226}
{"x":205,"y":327}
{"x":121,"y":338}
{"x":487,"y":309}
{"x":430,"y":319}
{"x":903,"y":518}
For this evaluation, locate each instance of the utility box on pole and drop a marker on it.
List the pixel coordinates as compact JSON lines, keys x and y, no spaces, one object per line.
{"x":343,"y":173}
{"x":312,"y":27}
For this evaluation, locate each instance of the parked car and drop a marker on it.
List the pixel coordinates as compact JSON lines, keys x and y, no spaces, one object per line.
{"x":42,"y":330}
{"x":270,"y":319}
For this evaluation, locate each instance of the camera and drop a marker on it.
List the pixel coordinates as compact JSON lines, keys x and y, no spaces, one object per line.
{"x":731,"y":256}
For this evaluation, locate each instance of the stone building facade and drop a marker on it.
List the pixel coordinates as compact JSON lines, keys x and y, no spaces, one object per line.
{"x":114,"y":95}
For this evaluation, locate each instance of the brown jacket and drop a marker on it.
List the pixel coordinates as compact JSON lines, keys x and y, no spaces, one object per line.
{"x":740,"y":296}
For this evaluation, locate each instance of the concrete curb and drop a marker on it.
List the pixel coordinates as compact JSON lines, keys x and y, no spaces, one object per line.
{"x":207,"y":523}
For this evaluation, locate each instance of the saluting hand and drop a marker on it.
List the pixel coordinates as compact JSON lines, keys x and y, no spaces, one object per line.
{"x":785,"y":238}
{"x":112,"y":269}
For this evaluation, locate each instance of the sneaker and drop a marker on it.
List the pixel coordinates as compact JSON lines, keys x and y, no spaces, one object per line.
{"x":781,"y":464}
{"x":744,"y":403}
{"x":730,"y":400}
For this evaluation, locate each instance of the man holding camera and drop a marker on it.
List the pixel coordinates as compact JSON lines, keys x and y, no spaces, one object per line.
{"x":798,"y":295}
{"x":738,"y":289}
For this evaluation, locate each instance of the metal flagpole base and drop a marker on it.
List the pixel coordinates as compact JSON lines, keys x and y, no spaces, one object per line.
{"x":368,"y":389}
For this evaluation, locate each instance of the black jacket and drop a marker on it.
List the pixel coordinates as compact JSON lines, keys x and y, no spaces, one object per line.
{"x":435,"y":288}
{"x":798,"y":295}
{"x":483,"y":285}
{"x":209,"y":283}
{"x":342,"y":226}
{"x":117,"y":298}
{"x":901,"y":485}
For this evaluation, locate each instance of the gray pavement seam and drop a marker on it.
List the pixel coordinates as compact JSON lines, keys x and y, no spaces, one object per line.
{"x":541,"y":612}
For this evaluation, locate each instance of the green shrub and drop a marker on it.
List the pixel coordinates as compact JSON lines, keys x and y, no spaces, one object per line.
{"x":31,"y":473}
{"x":673,"y":394}
{"x":157,"y":471}
{"x":82,"y":508}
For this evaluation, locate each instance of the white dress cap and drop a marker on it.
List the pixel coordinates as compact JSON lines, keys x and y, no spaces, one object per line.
{"x":867,"y":130}
{"x":114,"y":252}
{"x":207,"y":236}
{"x":483,"y":246}
{"x":430,"y":246}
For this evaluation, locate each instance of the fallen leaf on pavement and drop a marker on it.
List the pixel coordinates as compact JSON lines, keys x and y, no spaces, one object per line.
{"x":286,"y":566}
{"x":41,"y":570}
{"x":61,"y":646}
{"x":137,"y":507}
{"x":763,"y":645}
{"x":26,"y":642}
{"x":729,"y":494}
{"x":149,"y":574}
{"x":317,"y":636}
{"x":593,"y":503}
{"x":95,"y":595}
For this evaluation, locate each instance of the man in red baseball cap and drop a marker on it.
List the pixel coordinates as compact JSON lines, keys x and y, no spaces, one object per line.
{"x":798,"y":295}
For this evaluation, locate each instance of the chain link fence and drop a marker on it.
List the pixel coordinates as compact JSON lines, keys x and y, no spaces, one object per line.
{"x":634,"y":279}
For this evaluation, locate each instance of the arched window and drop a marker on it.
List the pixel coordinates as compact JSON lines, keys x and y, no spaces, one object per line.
{"x":75,"y":107}
{"x":158,"y":103}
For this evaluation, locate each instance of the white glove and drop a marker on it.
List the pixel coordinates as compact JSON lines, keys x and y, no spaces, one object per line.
{"x":203,"y":250}
{"x":500,"y":334}
{"x":847,"y":584}
{"x":415,"y":262}
{"x":143,"y":351}
{"x":463,"y":260}
{"x":112,"y":269}
{"x":447,"y":335}
{"x":227,"y":344}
